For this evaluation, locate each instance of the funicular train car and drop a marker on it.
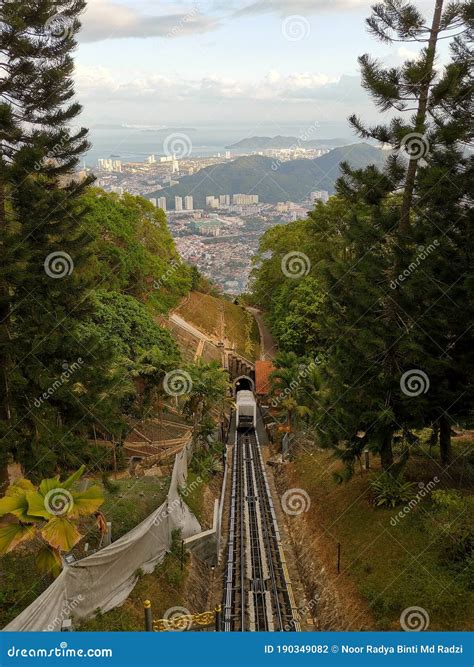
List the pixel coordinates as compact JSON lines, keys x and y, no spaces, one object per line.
{"x":246,"y":411}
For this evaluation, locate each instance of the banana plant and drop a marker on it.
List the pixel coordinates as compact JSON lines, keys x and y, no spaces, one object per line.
{"x":49,"y":511}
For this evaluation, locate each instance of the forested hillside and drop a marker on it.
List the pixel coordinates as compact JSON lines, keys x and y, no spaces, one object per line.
{"x":104,"y":356}
{"x":277,"y":181}
{"x":262,"y":143}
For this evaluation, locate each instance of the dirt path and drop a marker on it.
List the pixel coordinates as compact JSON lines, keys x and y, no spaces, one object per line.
{"x":199,"y":350}
{"x":268,"y":344}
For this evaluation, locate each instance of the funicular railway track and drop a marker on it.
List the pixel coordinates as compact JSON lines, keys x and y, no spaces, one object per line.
{"x":257,"y":590}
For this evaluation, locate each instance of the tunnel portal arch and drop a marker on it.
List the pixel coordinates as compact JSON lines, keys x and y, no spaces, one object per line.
{"x":244,"y":382}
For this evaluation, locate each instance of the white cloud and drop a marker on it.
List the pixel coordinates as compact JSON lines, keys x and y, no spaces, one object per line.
{"x":305,"y":7}
{"x":98,"y":82}
{"x":105,"y":19}
{"x":408,"y":54}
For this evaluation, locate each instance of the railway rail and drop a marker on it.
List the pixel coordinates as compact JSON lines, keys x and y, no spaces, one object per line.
{"x":257,"y":589}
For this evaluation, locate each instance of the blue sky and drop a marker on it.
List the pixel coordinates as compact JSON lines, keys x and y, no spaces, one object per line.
{"x":185,"y":62}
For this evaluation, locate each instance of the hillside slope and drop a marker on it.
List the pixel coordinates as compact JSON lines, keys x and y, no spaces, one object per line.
{"x":222,"y":319}
{"x":271,"y":180}
{"x":260,"y":143}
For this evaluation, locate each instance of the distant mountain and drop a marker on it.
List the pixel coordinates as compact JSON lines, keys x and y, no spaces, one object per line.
{"x":263,"y":143}
{"x":271,"y":180}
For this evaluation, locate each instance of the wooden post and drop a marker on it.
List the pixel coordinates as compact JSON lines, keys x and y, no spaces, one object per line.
{"x":366,"y":459}
{"x":182,"y":554}
{"x":148,"y":616}
{"x":338,"y":557}
{"x":114,"y":444}
{"x":217,"y":611}
{"x":108,"y":534}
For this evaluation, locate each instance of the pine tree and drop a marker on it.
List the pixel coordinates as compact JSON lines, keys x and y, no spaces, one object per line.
{"x":416,"y":318}
{"x":44,"y":289}
{"x":407,"y":88}
{"x":34,"y":36}
{"x":441,"y":290}
{"x":362,"y":350}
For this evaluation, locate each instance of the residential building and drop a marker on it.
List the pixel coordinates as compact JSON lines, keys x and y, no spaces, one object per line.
{"x":320,"y":195}
{"x":244,"y":200}
{"x":212,"y":202}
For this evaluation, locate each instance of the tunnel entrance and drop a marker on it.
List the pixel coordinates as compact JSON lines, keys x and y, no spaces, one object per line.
{"x":244,"y":383}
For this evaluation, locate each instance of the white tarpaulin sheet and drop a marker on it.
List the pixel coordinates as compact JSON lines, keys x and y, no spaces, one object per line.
{"x":105,"y":579}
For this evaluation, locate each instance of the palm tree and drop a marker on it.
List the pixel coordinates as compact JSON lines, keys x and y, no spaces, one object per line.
{"x":50,"y":511}
{"x":209,"y":389}
{"x":287,"y":387}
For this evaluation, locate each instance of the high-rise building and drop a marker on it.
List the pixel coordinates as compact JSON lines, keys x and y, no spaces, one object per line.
{"x":162,"y":203}
{"x":320,"y":195}
{"x":106,"y":164}
{"x":244,"y":200}
{"x":178,"y":203}
{"x":151,"y":159}
{"x":188,"y":203}
{"x":212,"y":202}
{"x":227,"y":155}
{"x":224,"y":200}
{"x":153,"y":201}
{"x":175,"y":167}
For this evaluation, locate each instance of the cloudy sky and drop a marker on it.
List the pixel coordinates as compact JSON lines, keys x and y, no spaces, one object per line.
{"x":219,"y":61}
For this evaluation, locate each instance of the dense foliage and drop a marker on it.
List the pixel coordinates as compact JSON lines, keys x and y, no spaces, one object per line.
{"x":133,"y":249}
{"x":381,"y":292}
{"x":83,"y":274}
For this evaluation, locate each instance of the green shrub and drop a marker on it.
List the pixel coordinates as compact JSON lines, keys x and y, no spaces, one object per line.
{"x":453,"y":523}
{"x":391,"y":491}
